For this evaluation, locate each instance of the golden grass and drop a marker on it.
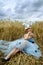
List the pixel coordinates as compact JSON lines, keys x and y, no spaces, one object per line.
{"x":11,"y":30}
{"x":14,"y":30}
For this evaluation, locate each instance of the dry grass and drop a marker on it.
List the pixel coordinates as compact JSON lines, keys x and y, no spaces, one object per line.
{"x":11,"y":31}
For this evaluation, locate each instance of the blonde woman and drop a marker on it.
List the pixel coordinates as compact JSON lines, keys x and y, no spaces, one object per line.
{"x":29,"y":35}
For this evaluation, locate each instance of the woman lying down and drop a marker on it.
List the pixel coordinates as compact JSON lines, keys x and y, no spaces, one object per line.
{"x":26,"y":44}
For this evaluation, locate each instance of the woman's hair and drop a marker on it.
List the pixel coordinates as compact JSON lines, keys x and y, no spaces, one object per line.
{"x":28,"y":29}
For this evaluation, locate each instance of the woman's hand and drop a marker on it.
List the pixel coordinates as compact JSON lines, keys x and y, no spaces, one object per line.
{"x":26,"y":36}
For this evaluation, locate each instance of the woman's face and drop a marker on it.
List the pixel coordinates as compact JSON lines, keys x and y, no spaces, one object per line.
{"x":29,"y":30}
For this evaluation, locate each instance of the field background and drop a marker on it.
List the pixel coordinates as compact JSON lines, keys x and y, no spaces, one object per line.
{"x":10,"y":31}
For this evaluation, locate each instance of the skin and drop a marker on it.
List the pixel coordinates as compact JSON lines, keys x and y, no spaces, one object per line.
{"x":12,"y":53}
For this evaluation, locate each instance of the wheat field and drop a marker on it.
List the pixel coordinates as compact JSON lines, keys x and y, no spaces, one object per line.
{"x":10,"y":31}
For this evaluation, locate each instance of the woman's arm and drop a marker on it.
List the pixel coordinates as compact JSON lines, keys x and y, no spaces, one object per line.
{"x":26,"y":36}
{"x":32,"y":35}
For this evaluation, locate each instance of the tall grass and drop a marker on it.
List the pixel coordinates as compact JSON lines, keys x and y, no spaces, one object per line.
{"x":11,"y":30}
{"x":14,"y":30}
{"x":38,"y":31}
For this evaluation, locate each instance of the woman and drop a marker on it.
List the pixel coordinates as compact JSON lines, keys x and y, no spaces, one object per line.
{"x":29,"y":36}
